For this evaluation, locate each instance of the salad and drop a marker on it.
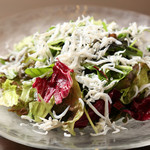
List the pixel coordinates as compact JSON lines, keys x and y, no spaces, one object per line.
{"x":77,"y":74}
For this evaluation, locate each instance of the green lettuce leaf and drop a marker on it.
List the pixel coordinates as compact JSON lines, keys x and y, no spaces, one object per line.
{"x":56,"y":46}
{"x":9,"y":95}
{"x":110,"y":75}
{"x":40,"y":109}
{"x":36,"y":59}
{"x":2,"y":61}
{"x":122,"y":35}
{"x":11,"y":74}
{"x":104,"y":26}
{"x":69,"y":125}
{"x":129,"y":50}
{"x":51,"y":28}
{"x":81,"y":24}
{"x":36,"y":72}
{"x":139,"y":80}
{"x":93,"y":69}
{"x":57,"y":42}
{"x":95,"y":22}
{"x":27,"y":94}
{"x":27,"y":59}
{"x":116,"y":76}
{"x":26,"y":42}
{"x":2,"y":75}
{"x":75,"y":110}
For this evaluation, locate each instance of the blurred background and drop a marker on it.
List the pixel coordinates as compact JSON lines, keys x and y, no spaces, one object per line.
{"x":10,"y":7}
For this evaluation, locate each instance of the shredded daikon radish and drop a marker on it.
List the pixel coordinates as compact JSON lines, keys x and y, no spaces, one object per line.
{"x":62,"y":114}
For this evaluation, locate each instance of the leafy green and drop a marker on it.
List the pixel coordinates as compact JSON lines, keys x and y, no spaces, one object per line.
{"x":148,"y":49}
{"x":127,"y":81}
{"x":36,"y":72}
{"x":69,"y":125}
{"x":132,"y":51}
{"x":24,"y":43}
{"x":133,"y":43}
{"x":27,"y":94}
{"x":2,"y":61}
{"x":56,"y":42}
{"x":51,"y":28}
{"x":122,"y":35}
{"x":40,"y":109}
{"x":9,"y":95}
{"x":129,"y":50}
{"x":90,"y":121}
{"x":140,"y":79}
{"x":105,"y":26}
{"x":116,"y":76}
{"x":88,"y":66}
{"x":96,"y":22}
{"x":37,"y":59}
{"x":27,"y":59}
{"x":95,"y":69}
{"x":81,"y":24}
{"x":56,"y":46}
{"x":119,"y":76}
{"x":11,"y":74}
{"x":2,"y":75}
{"x":54,"y":52}
{"x":110,"y":75}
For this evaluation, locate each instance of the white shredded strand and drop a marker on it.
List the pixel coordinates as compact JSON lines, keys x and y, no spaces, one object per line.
{"x":104,"y":132}
{"x":95,"y":110}
{"x":48,"y":124}
{"x":144,"y":87}
{"x":62,"y":114}
{"x":117,"y":128}
{"x":27,"y":118}
{"x":147,"y":93}
{"x":110,"y":85}
{"x":139,"y":69}
{"x":39,"y":132}
{"x":136,"y":92}
{"x":23,"y":124}
{"x":67,"y":135}
{"x":82,"y":102}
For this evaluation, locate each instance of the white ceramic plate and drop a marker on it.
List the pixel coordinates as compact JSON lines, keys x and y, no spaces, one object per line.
{"x":13,"y":29}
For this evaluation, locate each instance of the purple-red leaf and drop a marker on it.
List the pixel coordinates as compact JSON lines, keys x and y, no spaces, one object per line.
{"x":83,"y":121}
{"x":58,"y":85}
{"x":139,"y":109}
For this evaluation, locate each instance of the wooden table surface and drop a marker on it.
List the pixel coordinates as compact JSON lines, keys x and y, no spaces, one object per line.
{"x":9,"y":7}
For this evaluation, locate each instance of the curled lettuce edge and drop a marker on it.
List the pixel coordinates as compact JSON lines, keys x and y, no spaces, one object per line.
{"x":40,"y":109}
{"x":73,"y":98}
{"x":9,"y":96}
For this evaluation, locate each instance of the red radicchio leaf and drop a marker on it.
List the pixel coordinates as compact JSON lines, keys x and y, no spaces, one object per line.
{"x":58,"y":85}
{"x":114,"y":95}
{"x":99,"y":105}
{"x":139,"y":109}
{"x":83,"y":121}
